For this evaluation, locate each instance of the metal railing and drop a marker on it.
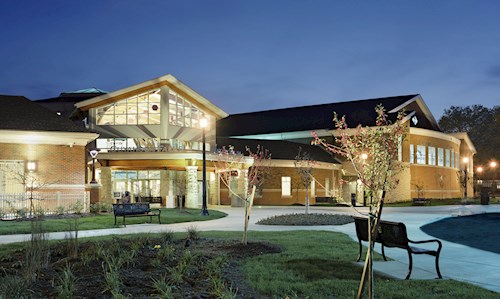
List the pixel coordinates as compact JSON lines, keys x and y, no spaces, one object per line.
{"x":13,"y":206}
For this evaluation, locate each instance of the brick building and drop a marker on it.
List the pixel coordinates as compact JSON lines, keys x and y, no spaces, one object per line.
{"x":39,"y":150}
{"x":150,"y":143}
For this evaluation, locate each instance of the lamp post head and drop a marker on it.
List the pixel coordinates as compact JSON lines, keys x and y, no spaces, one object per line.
{"x":465,"y":160}
{"x":493,"y":164}
{"x":204,"y":123}
{"x":479,"y":169}
{"x":93,"y":153}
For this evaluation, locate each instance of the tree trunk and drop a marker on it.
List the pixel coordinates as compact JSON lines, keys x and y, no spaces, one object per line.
{"x":248,"y":211}
{"x":307,"y":199}
{"x":369,"y":254}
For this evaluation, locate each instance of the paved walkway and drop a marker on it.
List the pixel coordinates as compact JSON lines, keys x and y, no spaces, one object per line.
{"x":457,"y":261}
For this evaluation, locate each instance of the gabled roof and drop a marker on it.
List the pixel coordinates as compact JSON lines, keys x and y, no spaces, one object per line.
{"x":19,"y":113}
{"x":279,"y":149}
{"x":319,"y":117}
{"x":167,"y":80}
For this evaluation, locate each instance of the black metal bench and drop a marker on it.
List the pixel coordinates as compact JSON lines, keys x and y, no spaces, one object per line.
{"x":140,"y":209}
{"x":393,"y":234}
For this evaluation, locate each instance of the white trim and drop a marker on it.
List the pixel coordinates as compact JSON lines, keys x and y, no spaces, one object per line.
{"x":434,"y":134}
{"x":166,"y":78}
{"x":316,"y":165}
{"x":64,"y":186}
{"x":163,"y":156}
{"x":47,"y":137}
{"x":396,"y":109}
{"x":465,"y":137}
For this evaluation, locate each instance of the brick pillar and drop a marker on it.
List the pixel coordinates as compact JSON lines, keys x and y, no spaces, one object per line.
{"x":192,"y":187}
{"x":95,"y":193}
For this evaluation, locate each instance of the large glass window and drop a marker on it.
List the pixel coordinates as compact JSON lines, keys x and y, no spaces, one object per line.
{"x":140,"y":183}
{"x":432,"y":155}
{"x":182,"y":113}
{"x":412,"y":154}
{"x":11,"y":174}
{"x":420,"y":154}
{"x":143,"y":109}
{"x":448,"y":158}
{"x":440,"y":157}
{"x":452,"y":155}
{"x":286,"y":186}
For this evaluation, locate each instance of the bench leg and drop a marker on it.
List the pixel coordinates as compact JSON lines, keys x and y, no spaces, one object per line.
{"x":437,"y":267}
{"x":159,"y":221}
{"x":410,"y":265}
{"x":115,"y":219}
{"x":360,"y":251}
{"x":123,"y":222}
{"x":383,"y":252}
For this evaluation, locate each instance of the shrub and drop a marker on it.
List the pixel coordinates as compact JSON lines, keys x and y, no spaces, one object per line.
{"x":67,"y":280}
{"x":77,"y":207}
{"x":60,"y":210}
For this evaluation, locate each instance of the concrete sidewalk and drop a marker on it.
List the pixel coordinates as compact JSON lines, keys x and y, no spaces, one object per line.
{"x":457,"y":261}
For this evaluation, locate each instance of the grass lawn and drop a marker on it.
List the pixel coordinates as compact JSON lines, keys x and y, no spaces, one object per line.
{"x":315,"y":264}
{"x":319,"y":265}
{"x":101,"y":221}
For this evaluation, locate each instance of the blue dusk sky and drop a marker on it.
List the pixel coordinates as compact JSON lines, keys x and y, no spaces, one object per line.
{"x":257,"y":55}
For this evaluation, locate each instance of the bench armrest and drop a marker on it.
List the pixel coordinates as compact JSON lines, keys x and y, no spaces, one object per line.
{"x":159,"y":211}
{"x":440,"y":245}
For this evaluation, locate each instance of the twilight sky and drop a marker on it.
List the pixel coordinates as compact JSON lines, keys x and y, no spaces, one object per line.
{"x":257,"y":55}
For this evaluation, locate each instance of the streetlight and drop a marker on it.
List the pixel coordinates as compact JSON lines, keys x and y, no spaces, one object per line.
{"x":466,"y":166}
{"x":93,"y":154}
{"x":204,"y":125}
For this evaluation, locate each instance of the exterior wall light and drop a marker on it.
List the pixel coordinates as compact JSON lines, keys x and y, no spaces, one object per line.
{"x":31,"y":166}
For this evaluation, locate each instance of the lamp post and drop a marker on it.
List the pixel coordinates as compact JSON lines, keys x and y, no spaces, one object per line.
{"x":466,"y":166}
{"x":363,"y":157}
{"x":204,"y":125}
{"x":93,"y":154}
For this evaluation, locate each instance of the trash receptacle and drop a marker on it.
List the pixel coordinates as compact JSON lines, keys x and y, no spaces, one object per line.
{"x":353,"y":199}
{"x":485,"y":195}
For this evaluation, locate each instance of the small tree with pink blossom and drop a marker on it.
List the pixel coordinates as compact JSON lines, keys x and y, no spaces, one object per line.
{"x":373,"y":152}
{"x":254,"y":168}
{"x":304,"y":165}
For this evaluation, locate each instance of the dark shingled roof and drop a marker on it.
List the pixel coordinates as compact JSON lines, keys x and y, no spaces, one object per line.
{"x":19,"y":113}
{"x":306,"y":118}
{"x":280,"y":150}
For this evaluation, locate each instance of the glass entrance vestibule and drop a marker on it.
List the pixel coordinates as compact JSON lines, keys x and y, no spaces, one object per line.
{"x":143,"y":185}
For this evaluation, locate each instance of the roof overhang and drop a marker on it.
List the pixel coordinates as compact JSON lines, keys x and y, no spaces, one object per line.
{"x":47,"y":137}
{"x":465,"y":137}
{"x":167,"y":80}
{"x":423,"y":107}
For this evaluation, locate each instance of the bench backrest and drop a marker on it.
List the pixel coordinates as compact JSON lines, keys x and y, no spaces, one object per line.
{"x":131,"y":208}
{"x":390,"y":234}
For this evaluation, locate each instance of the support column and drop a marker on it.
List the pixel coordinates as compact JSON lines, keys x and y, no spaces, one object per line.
{"x":192,"y":187}
{"x":239,"y":184}
{"x":213,"y":189}
{"x":166,"y":199}
{"x":107,"y":187}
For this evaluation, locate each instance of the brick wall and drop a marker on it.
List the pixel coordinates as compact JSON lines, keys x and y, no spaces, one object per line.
{"x":58,"y":166}
{"x":271,"y":189}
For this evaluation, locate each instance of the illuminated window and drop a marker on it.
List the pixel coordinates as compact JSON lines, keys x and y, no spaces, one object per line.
{"x":447,"y":158}
{"x":412,"y":154}
{"x":440,"y":157}
{"x":420,"y":154}
{"x":182,"y":113}
{"x":10,"y":172}
{"x":432,"y":155}
{"x":286,"y":186}
{"x":452,"y":155}
{"x":143,"y":109}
